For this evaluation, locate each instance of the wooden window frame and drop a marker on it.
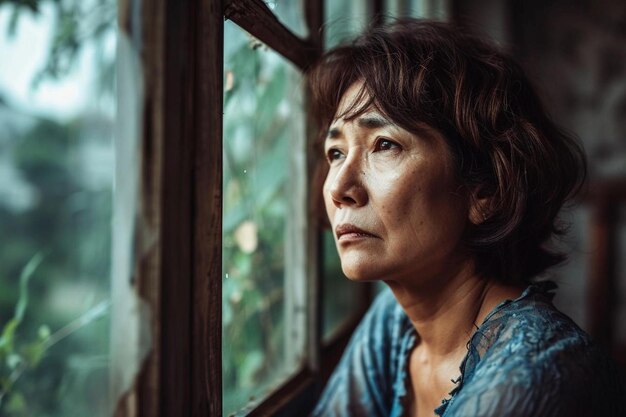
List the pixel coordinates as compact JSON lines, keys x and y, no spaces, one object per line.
{"x":180,"y":45}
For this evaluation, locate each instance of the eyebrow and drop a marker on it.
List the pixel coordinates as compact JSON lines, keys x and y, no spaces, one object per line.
{"x":371,"y":121}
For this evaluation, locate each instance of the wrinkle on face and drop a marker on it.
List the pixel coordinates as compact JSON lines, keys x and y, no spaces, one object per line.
{"x":412,"y":201}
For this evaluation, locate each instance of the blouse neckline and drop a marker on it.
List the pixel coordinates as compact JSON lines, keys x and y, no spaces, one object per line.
{"x":410,"y":337}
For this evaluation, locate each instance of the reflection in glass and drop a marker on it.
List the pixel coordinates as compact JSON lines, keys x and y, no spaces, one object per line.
{"x":262,"y":311}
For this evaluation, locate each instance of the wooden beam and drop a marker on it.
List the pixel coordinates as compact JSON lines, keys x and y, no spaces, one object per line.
{"x":257,"y":19}
{"x":378,"y":10}
{"x":314,"y":15}
{"x":182,"y":59}
{"x":206,"y":214}
{"x":295,"y":397}
{"x":175,"y":110}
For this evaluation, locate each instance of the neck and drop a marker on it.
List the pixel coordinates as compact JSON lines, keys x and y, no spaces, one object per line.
{"x":445,"y":311}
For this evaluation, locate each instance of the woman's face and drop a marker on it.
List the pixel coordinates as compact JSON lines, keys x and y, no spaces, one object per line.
{"x":396,"y":209}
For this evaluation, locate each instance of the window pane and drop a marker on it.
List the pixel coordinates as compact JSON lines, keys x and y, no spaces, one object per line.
{"x":341,"y":296}
{"x":291,"y":14}
{"x":432,"y":9}
{"x":263,"y":284}
{"x":57,"y":112}
{"x":344,"y":19}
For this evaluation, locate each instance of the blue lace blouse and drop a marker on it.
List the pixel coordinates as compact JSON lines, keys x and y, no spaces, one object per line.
{"x":526,"y":359}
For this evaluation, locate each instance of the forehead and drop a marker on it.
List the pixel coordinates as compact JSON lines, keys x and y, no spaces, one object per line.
{"x":355,"y":100}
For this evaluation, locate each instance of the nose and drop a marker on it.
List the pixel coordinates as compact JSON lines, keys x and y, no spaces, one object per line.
{"x":346,"y":185}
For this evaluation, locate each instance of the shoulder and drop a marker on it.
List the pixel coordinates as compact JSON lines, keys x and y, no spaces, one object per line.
{"x":531,"y":359}
{"x":362,"y":383}
{"x":378,"y":339}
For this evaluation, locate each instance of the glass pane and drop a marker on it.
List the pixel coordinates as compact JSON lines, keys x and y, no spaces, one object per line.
{"x":291,"y":14}
{"x":339,"y":301}
{"x":263,"y":314}
{"x":413,"y":8}
{"x":344,"y":19}
{"x":57,"y":112}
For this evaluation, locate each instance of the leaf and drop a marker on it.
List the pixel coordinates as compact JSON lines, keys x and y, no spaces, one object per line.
{"x":27,"y":272}
{"x":8,"y":337}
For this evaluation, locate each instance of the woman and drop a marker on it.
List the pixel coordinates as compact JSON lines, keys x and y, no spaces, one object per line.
{"x":444,"y":179}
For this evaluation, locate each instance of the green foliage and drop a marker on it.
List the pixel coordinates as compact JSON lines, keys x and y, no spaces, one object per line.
{"x":61,"y":372}
{"x":77,"y":24}
{"x":259,"y":110}
{"x":72,"y":221}
{"x":15,"y":359}
{"x":18,"y":356}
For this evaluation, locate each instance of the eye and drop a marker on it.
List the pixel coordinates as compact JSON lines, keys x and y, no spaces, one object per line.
{"x":384,"y":144}
{"x":333,"y":154}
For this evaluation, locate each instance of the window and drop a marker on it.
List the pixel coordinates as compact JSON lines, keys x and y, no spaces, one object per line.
{"x":264,"y":236}
{"x":57,"y":112}
{"x":227,"y":297}
{"x":207,"y":216}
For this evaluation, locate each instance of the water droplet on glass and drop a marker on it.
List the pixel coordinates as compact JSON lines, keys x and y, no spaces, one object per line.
{"x":245,"y":171}
{"x":227,"y":275}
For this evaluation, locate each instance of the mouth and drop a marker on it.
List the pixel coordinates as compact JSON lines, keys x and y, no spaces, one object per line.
{"x":346,"y":232}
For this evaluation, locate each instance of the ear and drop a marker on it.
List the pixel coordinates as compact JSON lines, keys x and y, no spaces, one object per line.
{"x":480,"y":207}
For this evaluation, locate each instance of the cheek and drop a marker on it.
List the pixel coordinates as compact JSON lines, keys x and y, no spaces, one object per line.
{"x":422,"y":204}
{"x":328,"y":202}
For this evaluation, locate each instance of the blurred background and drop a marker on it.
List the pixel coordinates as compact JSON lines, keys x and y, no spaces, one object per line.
{"x":58,"y":117}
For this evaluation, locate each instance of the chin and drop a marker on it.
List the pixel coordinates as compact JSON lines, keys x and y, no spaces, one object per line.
{"x":358,"y":273}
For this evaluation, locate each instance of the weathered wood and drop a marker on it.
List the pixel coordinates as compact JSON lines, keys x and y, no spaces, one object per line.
{"x":208,"y":55}
{"x":145,"y":32}
{"x":176,"y":115}
{"x":181,"y":44}
{"x":295,"y":397}
{"x":257,"y":19}
{"x":314,"y":16}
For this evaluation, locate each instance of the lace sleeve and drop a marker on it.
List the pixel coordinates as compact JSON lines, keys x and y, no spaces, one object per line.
{"x":560,"y":382}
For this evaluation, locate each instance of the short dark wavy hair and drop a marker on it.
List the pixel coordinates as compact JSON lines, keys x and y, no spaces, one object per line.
{"x":502,"y":141}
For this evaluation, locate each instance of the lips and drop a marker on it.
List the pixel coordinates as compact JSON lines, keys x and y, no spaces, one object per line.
{"x":351,"y":231}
